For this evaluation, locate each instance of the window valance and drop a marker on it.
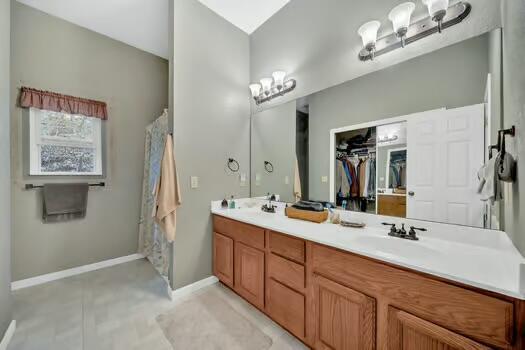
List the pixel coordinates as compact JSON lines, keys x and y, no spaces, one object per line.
{"x":62,"y":103}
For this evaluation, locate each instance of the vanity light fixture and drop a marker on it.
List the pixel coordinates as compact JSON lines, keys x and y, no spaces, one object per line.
{"x":255,"y":89}
{"x":270,"y":88}
{"x":441,"y":16}
{"x":388,"y":138}
{"x":266,"y":84}
{"x":437,"y":9}
{"x":278,"y":78}
{"x":400,"y":18}
{"x":368,"y":33}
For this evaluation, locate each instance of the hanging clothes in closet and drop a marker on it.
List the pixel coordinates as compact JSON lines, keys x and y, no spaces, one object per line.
{"x":355,"y":181}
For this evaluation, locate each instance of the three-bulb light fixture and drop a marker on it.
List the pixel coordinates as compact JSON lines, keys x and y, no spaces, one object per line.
{"x":270,"y":88}
{"x":441,"y":16}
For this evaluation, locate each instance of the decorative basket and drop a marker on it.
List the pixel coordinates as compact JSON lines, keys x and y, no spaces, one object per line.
{"x":313,"y":216}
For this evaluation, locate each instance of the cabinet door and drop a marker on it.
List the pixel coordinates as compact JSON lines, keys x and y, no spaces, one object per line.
{"x":345,"y":318}
{"x":249,"y":274}
{"x":286,"y":307}
{"x":408,"y":332}
{"x":223,"y":258}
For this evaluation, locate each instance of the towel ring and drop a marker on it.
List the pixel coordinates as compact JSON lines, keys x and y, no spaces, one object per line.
{"x":233,"y":165}
{"x":268,"y":166}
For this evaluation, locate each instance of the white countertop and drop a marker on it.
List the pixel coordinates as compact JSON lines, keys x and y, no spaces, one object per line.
{"x":481,"y":258}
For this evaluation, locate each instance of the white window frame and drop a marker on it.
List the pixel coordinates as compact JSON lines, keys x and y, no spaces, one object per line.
{"x":36,"y":140}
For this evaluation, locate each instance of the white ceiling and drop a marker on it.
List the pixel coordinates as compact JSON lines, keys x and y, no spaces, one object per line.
{"x":129,"y":21}
{"x":248,"y":15}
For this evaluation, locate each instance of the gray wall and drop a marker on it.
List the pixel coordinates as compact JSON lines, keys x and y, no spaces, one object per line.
{"x":211,"y":123}
{"x":5,"y":182}
{"x":513,"y":13}
{"x":273,"y":140}
{"x":454,"y":76}
{"x":49,"y":53}
{"x":317,"y":42}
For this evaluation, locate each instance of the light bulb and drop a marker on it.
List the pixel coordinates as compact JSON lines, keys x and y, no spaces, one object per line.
{"x":437,"y":9}
{"x":278,"y":78}
{"x":368,"y":33}
{"x":400,"y":17}
{"x":266,"y":84}
{"x":255,"y":89}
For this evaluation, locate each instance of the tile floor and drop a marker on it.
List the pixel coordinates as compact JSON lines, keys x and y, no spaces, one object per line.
{"x":113,"y":308}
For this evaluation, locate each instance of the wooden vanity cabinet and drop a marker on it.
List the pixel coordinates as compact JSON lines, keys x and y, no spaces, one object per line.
{"x":345,"y":318}
{"x":239,"y":258}
{"x":249,"y":274}
{"x":333,"y":299}
{"x":223,"y":258}
{"x":408,"y":332}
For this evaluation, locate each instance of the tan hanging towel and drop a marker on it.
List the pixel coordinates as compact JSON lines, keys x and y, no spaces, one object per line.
{"x":167,"y":193}
{"x":297,"y":182}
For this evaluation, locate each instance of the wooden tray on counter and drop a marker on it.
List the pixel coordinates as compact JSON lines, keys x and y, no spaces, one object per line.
{"x":313,"y":216}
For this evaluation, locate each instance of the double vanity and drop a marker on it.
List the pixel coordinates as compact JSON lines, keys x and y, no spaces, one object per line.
{"x":335,"y":287}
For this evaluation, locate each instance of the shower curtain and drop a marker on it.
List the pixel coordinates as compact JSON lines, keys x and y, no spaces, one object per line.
{"x":152,"y":243}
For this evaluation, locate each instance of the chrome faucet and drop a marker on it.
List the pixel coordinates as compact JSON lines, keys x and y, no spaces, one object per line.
{"x":269,"y":208}
{"x":402,"y":233}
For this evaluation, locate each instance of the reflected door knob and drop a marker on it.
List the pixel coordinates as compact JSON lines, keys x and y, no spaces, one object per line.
{"x":411,"y":193}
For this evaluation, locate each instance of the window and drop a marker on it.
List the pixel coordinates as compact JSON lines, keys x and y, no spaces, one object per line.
{"x":64,"y":144}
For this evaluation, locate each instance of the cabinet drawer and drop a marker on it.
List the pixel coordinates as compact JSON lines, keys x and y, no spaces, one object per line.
{"x":289,"y":247}
{"x":286,"y":307}
{"x":483,"y":318}
{"x":250,"y":235}
{"x":286,"y":272}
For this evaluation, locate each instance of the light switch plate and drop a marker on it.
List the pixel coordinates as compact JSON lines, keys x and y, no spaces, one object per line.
{"x":324,"y":179}
{"x":257,"y":179}
{"x":243,"y":178}
{"x":286,"y":180}
{"x":194,"y":182}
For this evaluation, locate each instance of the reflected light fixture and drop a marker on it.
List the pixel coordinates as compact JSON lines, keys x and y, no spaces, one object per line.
{"x":400,"y":18}
{"x":266,"y":84}
{"x":368,"y":33}
{"x":437,"y":9}
{"x":405,"y":32}
{"x":270,"y":88}
{"x":278,"y":79}
{"x":255,"y":89}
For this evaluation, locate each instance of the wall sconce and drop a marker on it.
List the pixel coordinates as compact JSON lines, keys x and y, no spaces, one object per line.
{"x":437,"y":9}
{"x":400,"y":18}
{"x":270,"y":88}
{"x":406,"y":33}
{"x":368,"y":33}
{"x":387,"y":138}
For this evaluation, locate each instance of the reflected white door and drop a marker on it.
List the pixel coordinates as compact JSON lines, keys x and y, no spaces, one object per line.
{"x":445,"y":152}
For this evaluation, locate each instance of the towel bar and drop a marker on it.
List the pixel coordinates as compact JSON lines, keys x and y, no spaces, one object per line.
{"x":31,"y":186}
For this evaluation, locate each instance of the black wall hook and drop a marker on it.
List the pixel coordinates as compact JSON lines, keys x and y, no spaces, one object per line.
{"x":501,"y":142}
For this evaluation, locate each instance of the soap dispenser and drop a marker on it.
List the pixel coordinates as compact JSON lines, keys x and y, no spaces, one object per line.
{"x":224,"y":204}
{"x":232,"y":203}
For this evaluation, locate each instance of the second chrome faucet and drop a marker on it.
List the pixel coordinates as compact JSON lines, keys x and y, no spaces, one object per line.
{"x":402,"y":233}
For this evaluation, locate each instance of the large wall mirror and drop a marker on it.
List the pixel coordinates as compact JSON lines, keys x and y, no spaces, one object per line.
{"x":406,"y":141}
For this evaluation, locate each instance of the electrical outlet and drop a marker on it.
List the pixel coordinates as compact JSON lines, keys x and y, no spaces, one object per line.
{"x":194,"y":182}
{"x":324,"y":179}
{"x":257,"y":179}
{"x":286,"y":180}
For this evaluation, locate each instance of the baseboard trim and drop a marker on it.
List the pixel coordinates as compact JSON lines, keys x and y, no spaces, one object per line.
{"x":191,"y":288}
{"x":33,"y":281}
{"x":8,"y":335}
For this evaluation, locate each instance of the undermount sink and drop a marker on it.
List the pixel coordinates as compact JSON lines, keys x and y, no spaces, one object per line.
{"x":396,"y":246}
